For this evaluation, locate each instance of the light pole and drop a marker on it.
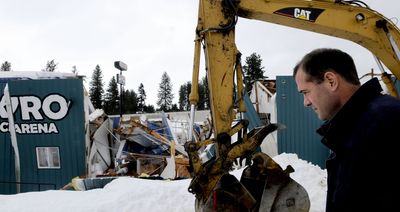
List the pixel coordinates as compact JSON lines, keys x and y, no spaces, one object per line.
{"x":121,"y":66}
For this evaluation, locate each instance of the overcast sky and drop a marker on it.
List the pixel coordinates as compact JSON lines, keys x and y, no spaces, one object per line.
{"x":151,"y":37}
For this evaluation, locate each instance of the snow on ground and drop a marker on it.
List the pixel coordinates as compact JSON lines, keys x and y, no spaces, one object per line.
{"x":133,"y":194}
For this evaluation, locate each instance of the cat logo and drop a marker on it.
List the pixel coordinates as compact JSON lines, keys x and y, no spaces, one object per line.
{"x":302,"y":13}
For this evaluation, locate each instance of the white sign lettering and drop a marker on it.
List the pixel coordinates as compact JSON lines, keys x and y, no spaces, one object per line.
{"x":33,"y":128}
{"x":32,"y":108}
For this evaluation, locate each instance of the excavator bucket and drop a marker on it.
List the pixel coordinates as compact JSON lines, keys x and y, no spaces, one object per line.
{"x":264,"y":186}
{"x":289,"y":197}
{"x":272,"y":186}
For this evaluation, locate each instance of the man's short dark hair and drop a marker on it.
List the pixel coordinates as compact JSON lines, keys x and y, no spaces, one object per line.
{"x":319,"y":61}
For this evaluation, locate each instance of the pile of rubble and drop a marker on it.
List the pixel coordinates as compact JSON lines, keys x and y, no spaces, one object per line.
{"x":134,"y":147}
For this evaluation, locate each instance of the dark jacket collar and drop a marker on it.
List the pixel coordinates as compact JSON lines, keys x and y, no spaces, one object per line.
{"x":353,"y":108}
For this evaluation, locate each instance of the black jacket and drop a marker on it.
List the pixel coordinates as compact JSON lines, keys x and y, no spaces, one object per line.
{"x":364,"y":157}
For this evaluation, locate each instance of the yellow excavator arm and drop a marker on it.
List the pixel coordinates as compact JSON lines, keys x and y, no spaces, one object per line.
{"x":341,"y":19}
{"x":350,"y":20}
{"x":216,"y":28}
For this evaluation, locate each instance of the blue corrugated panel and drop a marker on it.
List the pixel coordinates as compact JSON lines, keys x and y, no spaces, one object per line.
{"x":251,"y":114}
{"x":300,"y":135}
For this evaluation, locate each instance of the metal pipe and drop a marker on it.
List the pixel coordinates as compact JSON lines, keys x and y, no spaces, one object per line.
{"x":192,"y":113}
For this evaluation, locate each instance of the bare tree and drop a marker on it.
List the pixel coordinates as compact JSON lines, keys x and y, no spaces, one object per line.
{"x":74,"y":70}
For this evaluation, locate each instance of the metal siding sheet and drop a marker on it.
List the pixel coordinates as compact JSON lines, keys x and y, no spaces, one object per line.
{"x":299,"y":136}
{"x":251,"y":114}
{"x":70,"y":138}
{"x":7,"y":173}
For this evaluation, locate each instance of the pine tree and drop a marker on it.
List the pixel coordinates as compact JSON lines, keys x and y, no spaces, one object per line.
{"x":96,"y":88}
{"x":149,"y":109}
{"x":50,"y":66}
{"x":111,"y":101}
{"x":204,"y":97}
{"x":184,"y":95}
{"x":141,"y":99}
{"x":174,"y":107}
{"x":130,"y":101}
{"x":181,"y":100}
{"x":184,"y":92}
{"x":165,"y":95}
{"x":253,"y":70}
{"x":188,"y":90}
{"x":6,"y":66}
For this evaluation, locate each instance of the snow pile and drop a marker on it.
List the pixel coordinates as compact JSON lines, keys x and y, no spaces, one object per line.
{"x":310,"y":176}
{"x":133,"y":194}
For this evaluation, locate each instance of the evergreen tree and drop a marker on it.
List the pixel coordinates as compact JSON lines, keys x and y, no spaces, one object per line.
{"x":50,"y":66}
{"x":253,"y":70}
{"x":184,"y":92}
{"x":174,"y":108}
{"x":165,"y":95}
{"x":111,"y":100}
{"x":96,"y":88}
{"x":182,"y":95}
{"x":6,"y":66}
{"x":204,"y":97}
{"x":188,"y":90}
{"x":149,"y":109}
{"x":130,"y":101}
{"x":141,"y":99}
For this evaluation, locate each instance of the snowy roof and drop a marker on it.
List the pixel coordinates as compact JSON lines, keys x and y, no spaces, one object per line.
{"x":37,"y":75}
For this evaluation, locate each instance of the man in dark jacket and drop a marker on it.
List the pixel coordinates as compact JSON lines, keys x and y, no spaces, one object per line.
{"x":361,"y":130}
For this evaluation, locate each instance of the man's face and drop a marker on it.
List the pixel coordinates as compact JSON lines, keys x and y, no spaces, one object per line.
{"x":317,"y":96}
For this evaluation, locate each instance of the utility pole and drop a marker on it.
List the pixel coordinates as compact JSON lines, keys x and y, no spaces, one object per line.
{"x":121,"y":66}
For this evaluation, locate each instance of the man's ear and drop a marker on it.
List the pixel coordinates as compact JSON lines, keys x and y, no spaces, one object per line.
{"x":332,"y":79}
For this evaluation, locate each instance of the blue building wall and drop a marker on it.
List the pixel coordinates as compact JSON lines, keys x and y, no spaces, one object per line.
{"x":67,"y":134}
{"x":300,"y":135}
